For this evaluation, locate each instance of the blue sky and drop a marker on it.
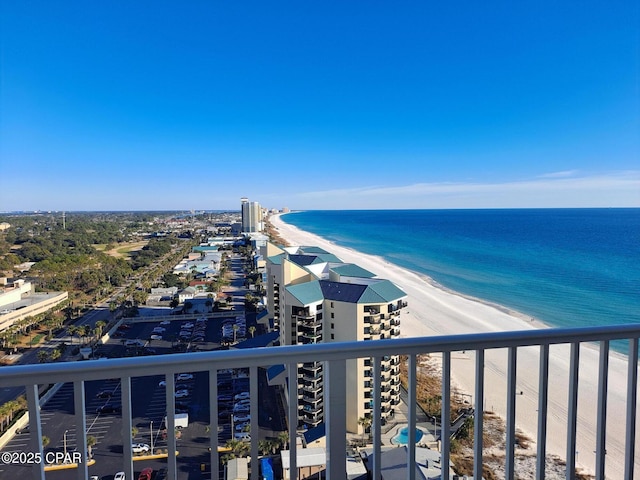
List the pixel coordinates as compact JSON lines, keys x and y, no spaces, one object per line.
{"x":319,"y":105}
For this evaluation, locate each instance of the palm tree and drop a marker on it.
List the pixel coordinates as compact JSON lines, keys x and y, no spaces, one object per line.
{"x":366,"y":423}
{"x":238,"y":448}
{"x":264,"y":447}
{"x":252,"y":330}
{"x":283,"y":438}
{"x":134,"y":432}
{"x":45,"y":441}
{"x":235,"y":330}
{"x":100,"y":324}
{"x":71,"y":330}
{"x":82,"y":332}
{"x":43,"y":356}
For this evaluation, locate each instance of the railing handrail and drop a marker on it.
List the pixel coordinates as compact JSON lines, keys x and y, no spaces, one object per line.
{"x":20,"y":375}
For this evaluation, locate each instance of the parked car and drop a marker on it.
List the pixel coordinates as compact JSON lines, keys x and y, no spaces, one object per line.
{"x":140,"y":448}
{"x":241,"y":408}
{"x":108,"y":408}
{"x":181,"y":393}
{"x":156,"y":337}
{"x":242,"y":396}
{"x":224,"y":398}
{"x":243,"y":436}
{"x":184,"y":376}
{"x":159,"y":330}
{"x":119,"y":476}
{"x":146,"y":474}
{"x":242,"y":418}
{"x":165,"y":322}
{"x":243,"y":427}
{"x":104,"y":394}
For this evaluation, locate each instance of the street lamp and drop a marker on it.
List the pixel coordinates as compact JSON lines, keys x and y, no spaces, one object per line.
{"x":151,"y":434}
{"x":64,"y":442}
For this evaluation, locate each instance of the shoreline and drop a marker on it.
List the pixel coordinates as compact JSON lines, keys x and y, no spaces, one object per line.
{"x":436,"y":310}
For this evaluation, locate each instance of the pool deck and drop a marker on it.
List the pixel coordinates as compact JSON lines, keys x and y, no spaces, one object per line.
{"x":423,"y":422}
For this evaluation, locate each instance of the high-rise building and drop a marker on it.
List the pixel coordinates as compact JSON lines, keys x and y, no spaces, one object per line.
{"x":251,"y":215}
{"x":314,"y":297}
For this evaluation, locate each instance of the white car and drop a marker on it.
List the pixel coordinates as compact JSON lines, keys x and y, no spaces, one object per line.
{"x":181,"y":377}
{"x":187,"y":325}
{"x":159,"y":330}
{"x":137,"y":343}
{"x":119,"y":476}
{"x":242,"y":396}
{"x":140,"y":447}
{"x":243,"y":436}
{"x":242,"y":418}
{"x":155,"y":337}
{"x":182,"y":393}
{"x":241,"y":409}
{"x":165,"y":322}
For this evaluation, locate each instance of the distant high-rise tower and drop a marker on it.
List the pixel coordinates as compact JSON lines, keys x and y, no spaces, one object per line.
{"x":251,"y":215}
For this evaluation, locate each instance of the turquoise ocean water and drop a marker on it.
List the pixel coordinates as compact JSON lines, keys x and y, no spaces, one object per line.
{"x":565,"y":267}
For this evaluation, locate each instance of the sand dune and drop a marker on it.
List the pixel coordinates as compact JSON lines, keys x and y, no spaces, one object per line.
{"x":434,"y":310}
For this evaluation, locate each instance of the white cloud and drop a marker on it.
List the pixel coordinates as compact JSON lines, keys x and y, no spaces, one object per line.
{"x":562,"y":189}
{"x":563,"y":174}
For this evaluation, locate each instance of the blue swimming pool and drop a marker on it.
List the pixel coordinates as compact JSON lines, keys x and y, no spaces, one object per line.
{"x":403,"y":436}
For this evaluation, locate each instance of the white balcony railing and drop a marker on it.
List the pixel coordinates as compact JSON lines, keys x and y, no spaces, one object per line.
{"x":335,"y":356}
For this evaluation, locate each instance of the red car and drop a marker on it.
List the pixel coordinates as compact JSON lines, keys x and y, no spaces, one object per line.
{"x":145,"y":474}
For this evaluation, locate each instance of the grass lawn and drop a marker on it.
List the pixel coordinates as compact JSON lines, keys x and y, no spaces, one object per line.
{"x":122,"y":249}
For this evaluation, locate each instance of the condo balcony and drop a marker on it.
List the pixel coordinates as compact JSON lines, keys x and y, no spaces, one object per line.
{"x":568,"y":343}
{"x":313,"y":368}
{"x":306,"y":338}
{"x":308,"y":322}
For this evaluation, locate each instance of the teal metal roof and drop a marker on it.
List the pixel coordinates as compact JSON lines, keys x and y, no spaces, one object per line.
{"x":276,"y":259}
{"x":352,"y":270}
{"x":306,"y":293}
{"x":382,"y":292}
{"x":329,"y":258}
{"x":312,"y":249}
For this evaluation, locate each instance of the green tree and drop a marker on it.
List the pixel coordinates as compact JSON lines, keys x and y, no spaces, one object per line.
{"x":100,"y":324}
{"x":283,"y":438}
{"x":43,"y":356}
{"x":91,"y":442}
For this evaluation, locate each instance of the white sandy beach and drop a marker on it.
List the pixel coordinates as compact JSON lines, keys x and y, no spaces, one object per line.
{"x":435,"y":311}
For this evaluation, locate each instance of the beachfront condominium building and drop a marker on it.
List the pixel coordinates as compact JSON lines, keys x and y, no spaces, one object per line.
{"x":314,"y":297}
{"x":251,"y":215}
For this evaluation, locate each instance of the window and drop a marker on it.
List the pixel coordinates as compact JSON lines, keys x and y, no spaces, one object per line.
{"x":331,"y":304}
{"x":333,"y":325}
{"x":318,"y":316}
{"x":319,"y":306}
{"x":332,"y":315}
{"x":332,"y":337}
